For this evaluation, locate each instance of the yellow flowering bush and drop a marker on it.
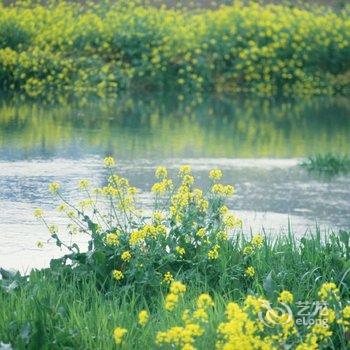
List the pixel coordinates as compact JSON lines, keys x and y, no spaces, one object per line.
{"x":184,"y":234}
{"x":106,"y":47}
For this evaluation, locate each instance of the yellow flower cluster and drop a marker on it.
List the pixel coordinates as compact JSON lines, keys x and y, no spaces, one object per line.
{"x":161,"y":172}
{"x":232,"y":221}
{"x":186,"y":196}
{"x":84,"y":184}
{"x":54,"y":187}
{"x":204,"y":301}
{"x":163,"y":186}
{"x":176,"y":290}
{"x":38,"y":213}
{"x":328,"y":290}
{"x":178,"y":228}
{"x":213,"y":254}
{"x":126,"y":256}
{"x":181,"y":251}
{"x":181,"y":337}
{"x":143,"y":317}
{"x":112,"y":239}
{"x":118,"y":275}
{"x":255,"y":243}
{"x":250,"y":271}
{"x":252,"y":325}
{"x":151,"y":231}
{"x":215,"y":174}
{"x":109,"y":161}
{"x":345,"y":319}
{"x":222,"y":189}
{"x":168,"y":277}
{"x":245,"y":330}
{"x":285,"y":297}
{"x":119,"y":333}
{"x":184,"y":336}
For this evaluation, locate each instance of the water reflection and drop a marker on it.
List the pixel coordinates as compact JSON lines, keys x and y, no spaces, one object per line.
{"x":135,"y":127}
{"x":257,"y":143}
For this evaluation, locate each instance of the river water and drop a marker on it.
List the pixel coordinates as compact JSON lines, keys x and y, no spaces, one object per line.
{"x":257,"y":143}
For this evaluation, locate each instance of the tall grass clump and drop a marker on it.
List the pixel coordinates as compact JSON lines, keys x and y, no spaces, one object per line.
{"x":107,"y":47}
{"x":180,"y":277}
{"x":328,"y":164}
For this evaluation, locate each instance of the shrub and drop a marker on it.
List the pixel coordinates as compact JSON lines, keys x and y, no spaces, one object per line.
{"x":265,"y":49}
{"x":185,"y":233}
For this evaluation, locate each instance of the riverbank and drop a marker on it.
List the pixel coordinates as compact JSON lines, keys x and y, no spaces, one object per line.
{"x":107,"y":48}
{"x":181,"y":277}
{"x":62,"y":309}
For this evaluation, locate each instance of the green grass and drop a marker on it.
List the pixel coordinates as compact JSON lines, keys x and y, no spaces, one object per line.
{"x":58,"y":309}
{"x":328,"y":164}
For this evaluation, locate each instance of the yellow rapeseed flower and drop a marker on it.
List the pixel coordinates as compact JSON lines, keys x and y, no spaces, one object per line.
{"x":215,"y":174}
{"x":345,"y":318}
{"x":204,"y":301}
{"x":84,"y":184}
{"x":38,"y":213}
{"x":185,"y":170}
{"x":257,"y":241}
{"x":109,"y":162}
{"x":118,"y":275}
{"x":180,"y":250}
{"x":248,"y":249}
{"x":177,"y":287}
{"x":213,"y":254}
{"x":201,"y":232}
{"x":170,"y":301}
{"x":250,"y":271}
{"x":161,"y":172}
{"x":285,"y":297}
{"x":143,"y":317}
{"x":168,"y":277}
{"x":126,"y":256}
{"x":118,"y":334}
{"x":328,"y":290}
{"x":54,"y":187}
{"x":112,"y":239}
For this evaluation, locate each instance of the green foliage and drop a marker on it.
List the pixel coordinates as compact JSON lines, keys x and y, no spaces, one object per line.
{"x":328,"y":164}
{"x":57,"y":308}
{"x":13,"y":35}
{"x":107,"y":47}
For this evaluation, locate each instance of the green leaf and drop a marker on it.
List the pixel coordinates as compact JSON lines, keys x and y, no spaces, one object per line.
{"x":344,"y":237}
{"x":269,"y":285}
{"x":56,"y":263}
{"x":11,"y":286}
{"x":8,"y":274}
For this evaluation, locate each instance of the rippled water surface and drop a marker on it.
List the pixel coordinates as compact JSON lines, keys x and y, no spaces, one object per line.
{"x":257,"y":143}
